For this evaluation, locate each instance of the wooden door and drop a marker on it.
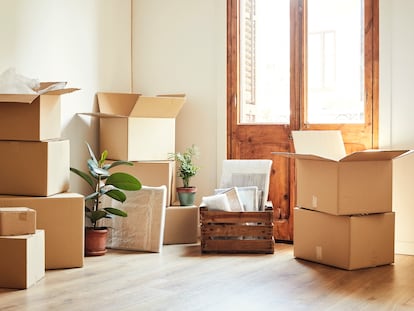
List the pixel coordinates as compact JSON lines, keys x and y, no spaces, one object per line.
{"x":250,"y":138}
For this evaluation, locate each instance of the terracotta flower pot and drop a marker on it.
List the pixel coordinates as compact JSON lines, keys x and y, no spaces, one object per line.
{"x":95,"y":241}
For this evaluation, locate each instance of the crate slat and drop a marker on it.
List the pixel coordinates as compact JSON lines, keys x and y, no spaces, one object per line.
{"x":237,"y":232}
{"x":238,"y":246}
{"x":211,"y":230}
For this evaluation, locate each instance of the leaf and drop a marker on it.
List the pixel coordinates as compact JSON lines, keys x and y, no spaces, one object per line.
{"x":115,"y":211}
{"x":84,"y":176}
{"x":116,"y":194}
{"x":96,"y":171}
{"x":104,"y":154}
{"x":92,"y":196}
{"x":94,"y":216}
{"x":92,"y":155}
{"x":124,"y":181}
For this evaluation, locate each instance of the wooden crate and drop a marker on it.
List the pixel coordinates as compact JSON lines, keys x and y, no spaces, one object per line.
{"x":237,"y":232}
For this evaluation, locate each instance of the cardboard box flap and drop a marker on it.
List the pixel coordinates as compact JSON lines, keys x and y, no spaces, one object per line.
{"x":301,"y":156}
{"x":46,"y":88}
{"x":325,"y":144}
{"x":116,"y":104}
{"x":373,"y":155}
{"x":158,"y":107}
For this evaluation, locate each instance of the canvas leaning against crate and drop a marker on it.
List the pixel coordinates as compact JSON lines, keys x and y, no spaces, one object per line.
{"x":237,"y":218}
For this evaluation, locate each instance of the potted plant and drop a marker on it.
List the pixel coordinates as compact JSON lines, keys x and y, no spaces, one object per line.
{"x":186,"y":169}
{"x":103,"y":183}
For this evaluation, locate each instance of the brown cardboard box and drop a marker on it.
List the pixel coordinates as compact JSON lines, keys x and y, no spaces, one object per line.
{"x":339,"y":184}
{"x":153,"y":174}
{"x":17,"y":221}
{"x":181,"y":224}
{"x":137,"y":128}
{"x":347,"y":242}
{"x":22,"y":260}
{"x":62,"y":218}
{"x":31,"y":117}
{"x":34,"y":168}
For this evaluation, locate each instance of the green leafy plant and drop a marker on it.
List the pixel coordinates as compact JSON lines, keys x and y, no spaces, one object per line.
{"x":102,"y":183}
{"x":186,"y":167}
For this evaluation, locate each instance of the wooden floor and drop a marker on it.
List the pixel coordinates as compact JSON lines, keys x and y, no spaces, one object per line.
{"x":181,"y":278}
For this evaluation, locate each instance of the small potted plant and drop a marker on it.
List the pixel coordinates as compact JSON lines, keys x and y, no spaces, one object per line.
{"x":186,"y":170}
{"x":102,"y":183}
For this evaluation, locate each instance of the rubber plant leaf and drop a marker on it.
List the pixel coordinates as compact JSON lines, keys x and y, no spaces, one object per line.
{"x":124,"y":181}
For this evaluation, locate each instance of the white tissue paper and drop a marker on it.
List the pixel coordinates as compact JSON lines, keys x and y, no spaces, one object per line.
{"x":14,"y":83}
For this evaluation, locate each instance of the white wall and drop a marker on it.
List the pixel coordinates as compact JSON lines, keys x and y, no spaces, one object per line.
{"x":397,"y":110}
{"x":86,"y":43}
{"x":179,"y":46}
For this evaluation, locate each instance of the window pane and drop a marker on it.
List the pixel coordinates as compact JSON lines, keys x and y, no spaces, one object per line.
{"x":265,"y":61}
{"x":335,"y":61}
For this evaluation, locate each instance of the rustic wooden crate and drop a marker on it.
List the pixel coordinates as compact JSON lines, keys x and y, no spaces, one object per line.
{"x":237,"y":232}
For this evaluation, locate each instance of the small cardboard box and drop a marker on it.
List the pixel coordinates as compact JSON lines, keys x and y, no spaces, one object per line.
{"x":22,"y":260}
{"x":17,"y":221}
{"x":181,"y":224}
{"x":32,"y":117}
{"x":153,"y":174}
{"x":61,"y":216}
{"x":34,"y":168}
{"x":137,"y":128}
{"x":347,"y":242}
{"x":330,"y":181}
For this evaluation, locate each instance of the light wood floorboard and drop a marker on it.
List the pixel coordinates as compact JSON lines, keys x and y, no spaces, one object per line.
{"x":181,"y":278}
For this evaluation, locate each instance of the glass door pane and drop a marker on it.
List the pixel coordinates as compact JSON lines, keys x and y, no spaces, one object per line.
{"x":264,"y":61}
{"x":335,"y":61}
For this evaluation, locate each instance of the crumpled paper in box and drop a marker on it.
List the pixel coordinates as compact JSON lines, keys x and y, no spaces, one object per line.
{"x":14,"y":83}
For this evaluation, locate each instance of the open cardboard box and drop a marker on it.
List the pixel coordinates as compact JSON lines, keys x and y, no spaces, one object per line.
{"x":32,"y":117}
{"x":137,"y":128}
{"x":330,"y":181}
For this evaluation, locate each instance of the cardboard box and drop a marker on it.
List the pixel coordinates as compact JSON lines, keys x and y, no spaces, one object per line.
{"x":31,"y":117}
{"x":32,"y":168}
{"x":17,"y":221}
{"x":22,"y":260}
{"x":153,"y":174}
{"x":347,"y":242}
{"x":181,"y":224}
{"x":339,"y":184}
{"x":137,"y":128}
{"x":62,"y":218}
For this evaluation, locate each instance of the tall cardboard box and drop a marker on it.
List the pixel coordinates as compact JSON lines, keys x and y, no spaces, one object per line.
{"x":22,"y":260}
{"x":347,"y":242}
{"x":34,"y":168}
{"x":137,"y":128}
{"x":153,"y":174}
{"x":17,"y":221}
{"x":61,"y":216}
{"x":332,"y":182}
{"x":32,"y":117}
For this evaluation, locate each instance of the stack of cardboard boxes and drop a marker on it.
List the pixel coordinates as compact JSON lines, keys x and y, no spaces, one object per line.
{"x":344,"y":216}
{"x":22,"y":248}
{"x":35,"y":175}
{"x":141,"y":129}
